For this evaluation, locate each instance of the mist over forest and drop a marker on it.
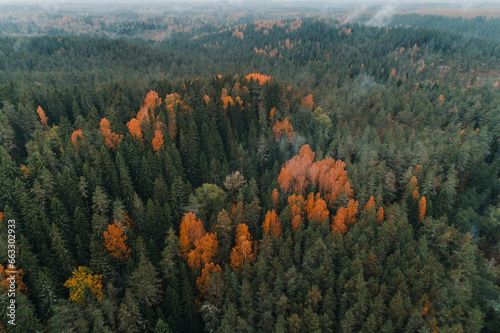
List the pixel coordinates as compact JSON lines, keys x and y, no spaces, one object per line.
{"x":267,"y":166}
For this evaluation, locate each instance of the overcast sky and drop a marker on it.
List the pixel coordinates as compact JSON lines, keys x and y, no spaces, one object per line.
{"x":368,"y":2}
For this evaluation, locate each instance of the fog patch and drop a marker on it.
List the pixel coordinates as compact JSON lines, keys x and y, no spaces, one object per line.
{"x":383,"y":17}
{"x":363,"y":83}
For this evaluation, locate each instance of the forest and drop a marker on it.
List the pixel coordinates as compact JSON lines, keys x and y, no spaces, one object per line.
{"x":300,"y":174}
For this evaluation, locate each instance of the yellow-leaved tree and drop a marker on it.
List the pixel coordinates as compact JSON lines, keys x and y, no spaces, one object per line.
{"x":84,"y":286}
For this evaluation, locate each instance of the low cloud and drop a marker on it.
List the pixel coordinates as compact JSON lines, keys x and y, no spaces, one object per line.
{"x":384,"y":16}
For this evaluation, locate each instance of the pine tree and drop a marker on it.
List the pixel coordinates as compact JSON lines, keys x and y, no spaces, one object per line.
{"x":62,"y":255}
{"x":145,"y":283}
{"x":169,"y":256}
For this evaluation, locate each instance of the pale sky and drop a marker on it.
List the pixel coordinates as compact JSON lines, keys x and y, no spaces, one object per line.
{"x":471,"y":3}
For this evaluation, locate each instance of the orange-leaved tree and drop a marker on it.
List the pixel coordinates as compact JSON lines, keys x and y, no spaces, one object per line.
{"x":281,"y":127}
{"x":345,"y":217}
{"x":191,"y":229}
{"x":339,"y":221}
{"x":276,"y":198}
{"x":393,"y":73}
{"x":271,"y":113}
{"x":370,"y":205}
{"x":115,"y":242}
{"x":74,"y":138}
{"x":226,"y":100}
{"x":84,"y":285}
{"x":243,"y":250}
{"x":296,"y":205}
{"x":352,"y":210}
{"x":380,"y":215}
{"x":152,"y":100}
{"x":146,"y":112}
{"x":134,"y":127}
{"x":157,"y":140}
{"x":330,"y":178}
{"x":327,"y":176}
{"x":5,"y":281}
{"x":111,"y":139}
{"x":203,"y":281}
{"x":422,"y":205}
{"x":272,"y":224}
{"x":205,"y":249}
{"x":308,"y":102}
{"x":261,"y":79}
{"x":143,"y":114}
{"x":294,"y":174}
{"x":316,"y":209}
{"x":43,"y":117}
{"x":172,"y":103}
{"x":412,"y":186}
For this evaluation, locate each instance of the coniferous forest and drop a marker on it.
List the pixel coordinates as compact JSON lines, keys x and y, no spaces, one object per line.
{"x":287,"y":171}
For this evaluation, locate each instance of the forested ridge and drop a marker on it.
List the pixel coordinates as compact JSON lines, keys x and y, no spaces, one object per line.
{"x":300,"y":175}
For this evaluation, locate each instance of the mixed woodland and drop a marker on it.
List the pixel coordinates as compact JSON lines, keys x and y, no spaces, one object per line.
{"x":287,"y":175}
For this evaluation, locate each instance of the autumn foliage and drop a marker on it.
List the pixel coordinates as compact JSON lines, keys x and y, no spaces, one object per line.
{"x":370,"y":205}
{"x":226,"y":100}
{"x":238,"y":33}
{"x":191,"y":229}
{"x":275,"y":197}
{"x":152,"y":100}
{"x":316,"y":210}
{"x":111,"y":139}
{"x":115,"y":241}
{"x":327,"y":176}
{"x":294,"y":174}
{"x":74,"y":136}
{"x":380,"y":215}
{"x":295,"y":25}
{"x":143,"y":114}
{"x":271,"y":113}
{"x":146,"y":112}
{"x":308,"y":102}
{"x":339,"y":221}
{"x":84,"y":284}
{"x":157,"y":140}
{"x":204,"y":251}
{"x":412,"y":186}
{"x":422,"y":205}
{"x":173,"y":103}
{"x":296,"y":205}
{"x":352,"y":210}
{"x":134,"y":127}
{"x":345,"y":217}
{"x":243,"y":249}
{"x":272,"y":224}
{"x":43,"y":117}
{"x":281,"y":127}
{"x":5,"y":283}
{"x":203,"y":281}
{"x":261,"y":79}
{"x":393,"y":73}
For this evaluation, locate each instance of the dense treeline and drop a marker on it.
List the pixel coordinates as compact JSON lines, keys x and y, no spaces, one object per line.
{"x":478,"y":26}
{"x":352,"y":185}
